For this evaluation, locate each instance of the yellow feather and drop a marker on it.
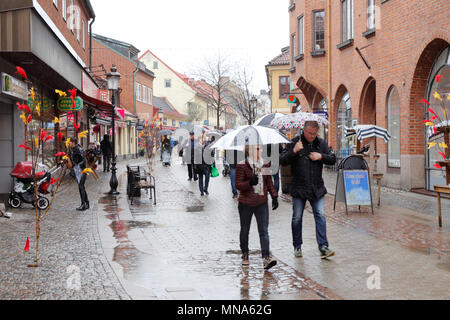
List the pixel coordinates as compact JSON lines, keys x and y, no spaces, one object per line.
{"x":32,"y":94}
{"x":443,"y":145}
{"x":67,"y":142}
{"x":24,"y":119}
{"x":61,"y":93}
{"x":429,"y":124}
{"x":38,"y":108}
{"x":56,"y":120}
{"x":36,"y":142}
{"x":87,"y":171}
{"x":437,"y":96}
{"x":448,"y":97}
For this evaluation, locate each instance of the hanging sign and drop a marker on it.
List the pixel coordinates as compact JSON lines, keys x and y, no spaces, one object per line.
{"x":46,"y":104}
{"x":14,"y":87}
{"x":291,"y":98}
{"x":66,"y":105}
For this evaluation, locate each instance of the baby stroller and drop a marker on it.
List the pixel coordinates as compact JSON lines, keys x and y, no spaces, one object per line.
{"x":24,"y":185}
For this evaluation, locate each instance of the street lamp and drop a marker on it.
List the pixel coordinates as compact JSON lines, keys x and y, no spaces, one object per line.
{"x":253,"y":103}
{"x":113,"y":79}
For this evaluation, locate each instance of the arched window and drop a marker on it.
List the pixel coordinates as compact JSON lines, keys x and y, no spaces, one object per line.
{"x":393,"y":113}
{"x":441,"y":67}
{"x":344,"y":121}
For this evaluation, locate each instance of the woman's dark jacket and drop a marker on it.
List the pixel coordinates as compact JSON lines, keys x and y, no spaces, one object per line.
{"x":77,"y":157}
{"x":307,"y":182}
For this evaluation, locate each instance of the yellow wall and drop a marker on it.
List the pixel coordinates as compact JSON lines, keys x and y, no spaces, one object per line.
{"x":275,"y":72}
{"x":180,"y":92}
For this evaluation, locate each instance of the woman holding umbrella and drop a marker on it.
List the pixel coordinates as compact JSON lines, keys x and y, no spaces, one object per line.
{"x":254,"y":185}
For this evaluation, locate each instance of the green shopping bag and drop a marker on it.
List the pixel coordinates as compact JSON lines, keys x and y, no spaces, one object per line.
{"x":214,"y":171}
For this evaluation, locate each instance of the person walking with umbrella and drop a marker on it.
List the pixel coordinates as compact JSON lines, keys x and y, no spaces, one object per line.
{"x":254,"y":185}
{"x":307,"y":154}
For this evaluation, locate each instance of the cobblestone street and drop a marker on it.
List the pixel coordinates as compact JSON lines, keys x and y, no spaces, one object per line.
{"x":187,"y":247}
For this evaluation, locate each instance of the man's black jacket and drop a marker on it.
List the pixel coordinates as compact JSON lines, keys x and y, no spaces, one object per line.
{"x":106,"y":147}
{"x":307,"y":182}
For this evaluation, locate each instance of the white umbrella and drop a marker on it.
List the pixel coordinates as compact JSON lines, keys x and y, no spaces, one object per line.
{"x":297,"y":120}
{"x":249,"y":135}
{"x":267,"y":119}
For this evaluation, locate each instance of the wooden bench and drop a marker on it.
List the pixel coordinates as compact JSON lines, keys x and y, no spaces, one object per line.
{"x":439,"y":190}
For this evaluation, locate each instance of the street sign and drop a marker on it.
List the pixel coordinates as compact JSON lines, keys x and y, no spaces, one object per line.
{"x":291,"y":98}
{"x":65,"y":104}
{"x":46,"y":104}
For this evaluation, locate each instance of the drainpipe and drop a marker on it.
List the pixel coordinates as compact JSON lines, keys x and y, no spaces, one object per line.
{"x":90,"y":43}
{"x":134,"y":107}
{"x":330,"y":108}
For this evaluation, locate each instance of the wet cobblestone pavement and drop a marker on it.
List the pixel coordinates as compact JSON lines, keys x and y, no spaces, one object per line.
{"x":69,"y":242}
{"x":187,"y":247}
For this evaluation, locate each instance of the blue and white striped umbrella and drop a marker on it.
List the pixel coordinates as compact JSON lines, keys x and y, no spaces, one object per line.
{"x":365,"y":131}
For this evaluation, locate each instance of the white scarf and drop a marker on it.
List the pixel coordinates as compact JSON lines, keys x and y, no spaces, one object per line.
{"x":257,"y":169}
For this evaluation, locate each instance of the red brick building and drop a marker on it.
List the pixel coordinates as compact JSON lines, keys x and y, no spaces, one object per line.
{"x":136,"y":83}
{"x":376,"y":60}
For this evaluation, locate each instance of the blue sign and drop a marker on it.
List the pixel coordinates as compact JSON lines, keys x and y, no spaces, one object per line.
{"x":206,"y":122}
{"x":322,"y":113}
{"x":357,"y":188}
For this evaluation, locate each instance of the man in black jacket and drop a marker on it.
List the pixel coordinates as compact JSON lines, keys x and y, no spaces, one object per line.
{"x":107,"y":151}
{"x":307,"y":155}
{"x":78,"y":159}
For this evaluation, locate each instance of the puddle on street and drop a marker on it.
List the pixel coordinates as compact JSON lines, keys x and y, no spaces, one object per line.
{"x":195,"y":209}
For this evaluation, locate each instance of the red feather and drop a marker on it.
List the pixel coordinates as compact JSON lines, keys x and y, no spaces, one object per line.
{"x":53,"y":181}
{"x":24,"y":146}
{"x":425,"y":121}
{"x":23,"y":107}
{"x":60,"y":154}
{"x":433,"y":118}
{"x":49,"y":138}
{"x":29,"y":118}
{"x":60,"y":136}
{"x":43,"y":134}
{"x":425,"y":101}
{"x":438,"y":77}
{"x":73,"y":93}
{"x":431,"y":111}
{"x":21,"y":72}
{"x":437,"y":166}
{"x":435,"y":130}
{"x":73,"y":103}
{"x":442,"y":155}
{"x":77,"y":127}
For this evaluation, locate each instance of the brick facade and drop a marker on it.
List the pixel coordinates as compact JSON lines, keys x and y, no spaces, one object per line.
{"x":106,"y":56}
{"x":408,"y":37}
{"x":55,"y":13}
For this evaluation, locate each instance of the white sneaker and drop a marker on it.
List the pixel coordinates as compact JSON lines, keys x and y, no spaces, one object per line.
{"x":298,"y":253}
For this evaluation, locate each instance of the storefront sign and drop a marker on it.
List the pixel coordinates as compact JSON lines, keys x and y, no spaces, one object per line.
{"x":14,"y":87}
{"x":90,"y":89}
{"x":65,"y":104}
{"x":46,"y":104}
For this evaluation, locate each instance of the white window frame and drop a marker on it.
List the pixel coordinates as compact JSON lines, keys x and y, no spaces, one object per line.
{"x":83,"y":27}
{"x":293,"y":49}
{"x":301,"y":34}
{"x":347,"y":20}
{"x":150,"y":96}
{"x":370,"y":14}
{"x":315,"y":31}
{"x":72,"y":17}
{"x":55,"y":2}
{"x":138,"y":92}
{"x":64,"y":9}
{"x":392,"y":162}
{"x":144,"y":94}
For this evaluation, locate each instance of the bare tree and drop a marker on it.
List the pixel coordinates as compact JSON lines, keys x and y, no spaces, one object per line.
{"x":194,"y":112}
{"x":241,"y":96}
{"x":216,"y":75}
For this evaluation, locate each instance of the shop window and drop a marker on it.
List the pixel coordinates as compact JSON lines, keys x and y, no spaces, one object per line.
{"x":344,"y":121}
{"x":393,"y":112}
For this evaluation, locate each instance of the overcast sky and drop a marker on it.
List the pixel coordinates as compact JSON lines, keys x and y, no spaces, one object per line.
{"x":183,"y":32}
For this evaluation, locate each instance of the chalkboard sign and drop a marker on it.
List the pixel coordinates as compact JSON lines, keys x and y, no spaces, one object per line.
{"x":357,"y":188}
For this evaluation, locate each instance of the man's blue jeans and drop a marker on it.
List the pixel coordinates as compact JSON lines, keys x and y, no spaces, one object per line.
{"x":319,"y":217}
{"x":233,"y":181}
{"x":262,"y":219}
{"x":203,"y":184}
